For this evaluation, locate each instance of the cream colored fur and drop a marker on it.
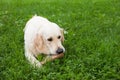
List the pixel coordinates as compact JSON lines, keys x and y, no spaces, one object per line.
{"x":37,"y":32}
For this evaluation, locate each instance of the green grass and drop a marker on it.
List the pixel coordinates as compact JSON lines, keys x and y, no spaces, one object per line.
{"x":92,"y":43}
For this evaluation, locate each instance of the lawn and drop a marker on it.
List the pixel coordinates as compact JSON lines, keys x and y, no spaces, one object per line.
{"x":92,"y":43}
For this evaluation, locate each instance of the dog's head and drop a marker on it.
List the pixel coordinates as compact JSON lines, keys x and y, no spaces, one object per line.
{"x":51,"y":38}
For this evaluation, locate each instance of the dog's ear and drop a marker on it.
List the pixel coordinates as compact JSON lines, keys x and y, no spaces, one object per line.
{"x":38,"y":42}
{"x":62,"y":32}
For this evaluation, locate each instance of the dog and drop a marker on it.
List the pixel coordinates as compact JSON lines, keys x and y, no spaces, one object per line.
{"x":42,"y":36}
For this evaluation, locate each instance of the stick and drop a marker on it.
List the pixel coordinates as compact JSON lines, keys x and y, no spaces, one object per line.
{"x":51,"y":58}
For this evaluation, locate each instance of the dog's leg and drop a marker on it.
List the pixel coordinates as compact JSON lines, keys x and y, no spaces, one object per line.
{"x":31,"y":58}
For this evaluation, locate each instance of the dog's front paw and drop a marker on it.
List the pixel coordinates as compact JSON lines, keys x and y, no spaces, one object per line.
{"x":38,"y":65}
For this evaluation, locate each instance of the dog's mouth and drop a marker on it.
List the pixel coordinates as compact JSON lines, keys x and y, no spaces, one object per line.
{"x":54,"y":54}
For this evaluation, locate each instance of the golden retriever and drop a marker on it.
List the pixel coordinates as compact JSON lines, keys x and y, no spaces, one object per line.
{"x":42,"y":37}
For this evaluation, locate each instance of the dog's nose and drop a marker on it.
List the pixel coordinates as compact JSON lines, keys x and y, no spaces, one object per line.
{"x":59,"y":51}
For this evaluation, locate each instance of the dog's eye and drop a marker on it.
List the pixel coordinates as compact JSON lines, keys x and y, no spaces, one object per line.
{"x":49,"y":39}
{"x":59,"y":37}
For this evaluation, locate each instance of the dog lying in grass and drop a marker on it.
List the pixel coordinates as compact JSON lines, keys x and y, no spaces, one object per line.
{"x":43,"y":37}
